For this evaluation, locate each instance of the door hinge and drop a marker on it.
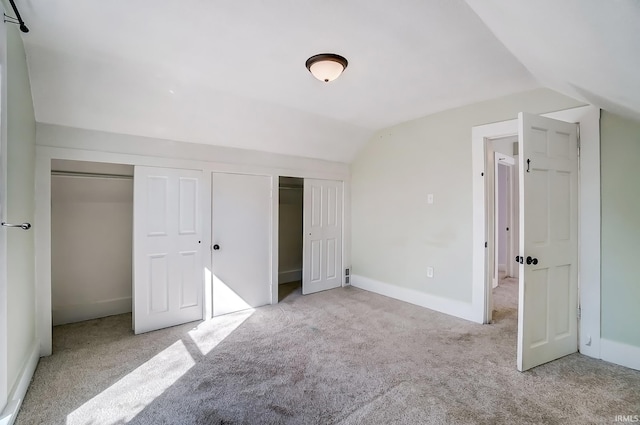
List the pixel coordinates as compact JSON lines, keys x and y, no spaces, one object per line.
{"x":578,"y":137}
{"x":485,"y":244}
{"x":579,"y":313}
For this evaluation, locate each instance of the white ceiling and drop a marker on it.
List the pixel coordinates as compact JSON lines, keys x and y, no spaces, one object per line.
{"x":232,"y":73}
{"x":586,"y":49}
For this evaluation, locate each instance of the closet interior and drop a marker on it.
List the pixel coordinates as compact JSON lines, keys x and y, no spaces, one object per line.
{"x":91,"y":240}
{"x":290,"y":235}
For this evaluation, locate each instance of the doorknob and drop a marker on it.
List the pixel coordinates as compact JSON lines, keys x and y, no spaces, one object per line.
{"x":23,"y":226}
{"x":216,"y":247}
{"x":519,"y":259}
{"x":533,"y":261}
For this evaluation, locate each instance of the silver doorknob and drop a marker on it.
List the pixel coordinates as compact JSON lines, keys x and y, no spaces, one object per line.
{"x":23,"y":226}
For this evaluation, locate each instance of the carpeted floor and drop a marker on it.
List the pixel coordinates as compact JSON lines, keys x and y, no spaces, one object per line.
{"x":344,"y":356}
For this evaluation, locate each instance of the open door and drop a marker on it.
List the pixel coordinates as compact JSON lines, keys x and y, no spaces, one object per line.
{"x":241,"y":237}
{"x":167,"y":262}
{"x":322,"y":223}
{"x":548,"y":291}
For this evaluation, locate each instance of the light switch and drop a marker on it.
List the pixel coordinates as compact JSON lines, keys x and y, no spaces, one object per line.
{"x":430,"y":198}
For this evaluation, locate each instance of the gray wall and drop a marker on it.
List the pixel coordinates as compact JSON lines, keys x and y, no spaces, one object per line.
{"x":391,"y":178}
{"x":21,"y":138}
{"x":620,"y":179}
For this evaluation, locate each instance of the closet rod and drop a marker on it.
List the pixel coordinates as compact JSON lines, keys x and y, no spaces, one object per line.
{"x":91,"y":175}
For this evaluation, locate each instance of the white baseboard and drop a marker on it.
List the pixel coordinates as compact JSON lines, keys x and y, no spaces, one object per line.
{"x":443,"y":305}
{"x":8,"y":415}
{"x":620,"y":353}
{"x":289,"y":276}
{"x":80,"y":312}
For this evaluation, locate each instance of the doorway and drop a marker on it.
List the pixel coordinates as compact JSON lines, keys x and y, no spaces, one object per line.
{"x":502,"y":214}
{"x":548,"y":218}
{"x":290,"y":236}
{"x":91,"y":233}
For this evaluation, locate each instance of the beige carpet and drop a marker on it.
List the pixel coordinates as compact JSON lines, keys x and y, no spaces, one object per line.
{"x":344,"y":356}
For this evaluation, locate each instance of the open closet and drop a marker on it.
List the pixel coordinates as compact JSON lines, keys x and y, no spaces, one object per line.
{"x":91,"y":234}
{"x":290,"y":235}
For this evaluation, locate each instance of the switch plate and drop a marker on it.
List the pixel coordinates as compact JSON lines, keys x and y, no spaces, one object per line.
{"x":430,"y":198}
{"x":429,"y":271}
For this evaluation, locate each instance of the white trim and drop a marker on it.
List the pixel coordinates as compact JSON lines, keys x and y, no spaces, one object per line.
{"x":16,"y":397}
{"x":94,"y":310}
{"x":59,"y":142}
{"x":411,"y":296}
{"x":620,"y":353}
{"x":289,"y":276}
{"x":588,"y":212}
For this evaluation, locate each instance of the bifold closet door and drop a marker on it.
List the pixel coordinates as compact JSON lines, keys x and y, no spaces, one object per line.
{"x":241,"y":238}
{"x":167,"y":251}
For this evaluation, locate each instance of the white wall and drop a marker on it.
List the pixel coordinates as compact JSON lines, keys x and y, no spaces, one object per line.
{"x":391,"y":178}
{"x":21,"y":295}
{"x":290,"y":234}
{"x":91,"y":234}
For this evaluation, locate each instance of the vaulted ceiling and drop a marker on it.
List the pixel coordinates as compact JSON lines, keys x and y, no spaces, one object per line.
{"x":232,"y":73}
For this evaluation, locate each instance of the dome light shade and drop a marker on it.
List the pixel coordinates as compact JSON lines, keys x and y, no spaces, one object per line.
{"x":326,"y":66}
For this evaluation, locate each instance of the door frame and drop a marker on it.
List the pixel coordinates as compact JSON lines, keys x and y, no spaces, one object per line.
{"x":588,"y":218}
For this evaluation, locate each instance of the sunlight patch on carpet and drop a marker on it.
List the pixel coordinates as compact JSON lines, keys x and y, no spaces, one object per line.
{"x":125,"y":399}
{"x":212,"y":332}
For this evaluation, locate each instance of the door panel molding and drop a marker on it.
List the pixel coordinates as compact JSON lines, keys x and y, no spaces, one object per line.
{"x":323,"y":235}
{"x":167,"y":223}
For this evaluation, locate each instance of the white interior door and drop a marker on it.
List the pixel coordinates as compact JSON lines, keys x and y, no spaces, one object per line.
{"x":322,"y":223}
{"x":241,"y":237}
{"x":167,"y":256}
{"x":547,"y":310}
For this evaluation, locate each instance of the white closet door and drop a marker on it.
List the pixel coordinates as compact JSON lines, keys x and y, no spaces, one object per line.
{"x":322,"y":217}
{"x":548,"y":296}
{"x":168,"y":273}
{"x":241,"y":236}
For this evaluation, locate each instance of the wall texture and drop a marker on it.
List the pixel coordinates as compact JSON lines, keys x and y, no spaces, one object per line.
{"x":620,"y":152}
{"x":395,"y":233}
{"x":91,"y":233}
{"x":21,"y":137}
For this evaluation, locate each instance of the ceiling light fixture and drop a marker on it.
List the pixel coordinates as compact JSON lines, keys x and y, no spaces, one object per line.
{"x":326,"y":66}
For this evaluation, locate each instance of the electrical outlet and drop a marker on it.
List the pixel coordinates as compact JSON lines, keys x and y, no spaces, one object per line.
{"x":429,"y":272}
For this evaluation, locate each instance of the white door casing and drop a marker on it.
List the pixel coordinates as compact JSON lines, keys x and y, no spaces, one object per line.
{"x":167,"y":264}
{"x":241,"y":241}
{"x":322,"y":224}
{"x":547,"y":308}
